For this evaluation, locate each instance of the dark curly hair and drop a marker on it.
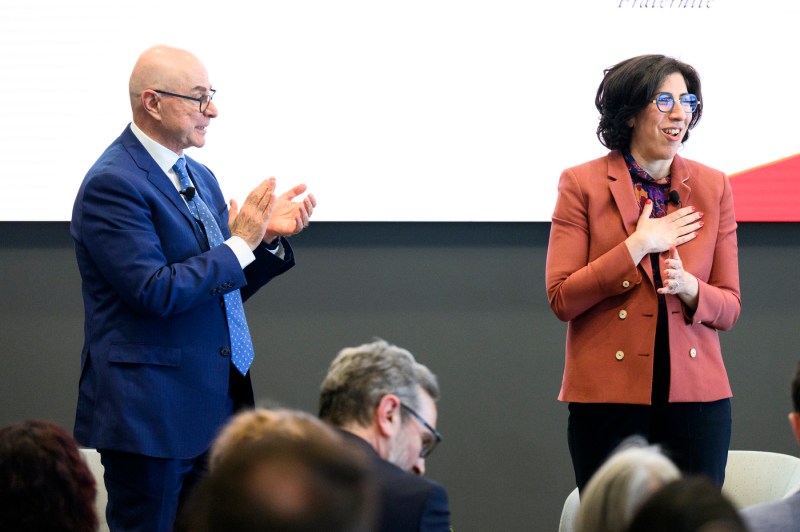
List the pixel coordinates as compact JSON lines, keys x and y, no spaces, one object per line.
{"x":44,"y":482}
{"x":629,"y":86}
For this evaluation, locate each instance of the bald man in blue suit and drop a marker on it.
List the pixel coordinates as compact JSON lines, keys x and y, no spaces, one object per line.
{"x":157,"y":379}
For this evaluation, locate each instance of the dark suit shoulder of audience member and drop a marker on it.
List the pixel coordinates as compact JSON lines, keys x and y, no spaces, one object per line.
{"x":689,"y":504}
{"x":407,"y":502}
{"x":784,"y":514}
{"x":45,"y":484}
{"x":776,"y":516}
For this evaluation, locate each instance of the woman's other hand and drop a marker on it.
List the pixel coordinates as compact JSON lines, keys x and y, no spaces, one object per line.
{"x":678,"y":281}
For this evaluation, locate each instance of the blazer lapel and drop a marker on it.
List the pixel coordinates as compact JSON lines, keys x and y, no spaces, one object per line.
{"x":621,"y":189}
{"x":161,"y":181}
{"x":680,"y":182}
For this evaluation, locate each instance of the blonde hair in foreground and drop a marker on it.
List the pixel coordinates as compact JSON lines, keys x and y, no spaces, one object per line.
{"x":621,"y":486}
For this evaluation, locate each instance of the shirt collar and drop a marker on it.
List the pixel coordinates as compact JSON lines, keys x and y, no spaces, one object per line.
{"x":164,"y":157}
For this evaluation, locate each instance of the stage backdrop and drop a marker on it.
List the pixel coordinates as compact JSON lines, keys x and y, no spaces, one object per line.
{"x":422,"y":110}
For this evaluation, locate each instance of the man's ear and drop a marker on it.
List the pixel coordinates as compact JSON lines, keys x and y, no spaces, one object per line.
{"x":150,"y":101}
{"x":794,"y":420}
{"x":388,"y":415}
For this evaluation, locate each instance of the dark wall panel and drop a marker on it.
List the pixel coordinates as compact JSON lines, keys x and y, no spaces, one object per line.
{"x":467,"y":299}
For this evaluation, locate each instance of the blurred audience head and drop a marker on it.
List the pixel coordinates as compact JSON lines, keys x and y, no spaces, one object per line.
{"x":253,"y":425}
{"x":633,"y":472}
{"x":45,"y":484}
{"x":689,"y":504}
{"x":284,"y":483}
{"x":379,"y":392}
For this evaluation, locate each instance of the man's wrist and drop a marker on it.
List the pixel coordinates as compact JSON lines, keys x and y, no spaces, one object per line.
{"x":272,"y":246}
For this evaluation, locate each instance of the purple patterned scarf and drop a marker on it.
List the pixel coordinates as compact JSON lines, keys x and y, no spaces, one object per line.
{"x":645,"y":186}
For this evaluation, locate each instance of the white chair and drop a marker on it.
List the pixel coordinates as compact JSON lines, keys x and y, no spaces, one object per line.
{"x":92,"y":458}
{"x":569,"y":512}
{"x":753,"y":477}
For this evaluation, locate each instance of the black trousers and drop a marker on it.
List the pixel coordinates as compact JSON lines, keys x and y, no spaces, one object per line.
{"x":695,"y":436}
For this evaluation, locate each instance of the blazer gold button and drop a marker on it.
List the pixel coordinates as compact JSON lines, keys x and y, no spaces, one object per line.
{"x":693,"y":352}
{"x":626,"y":284}
{"x":620,"y":355}
{"x":623,"y":314}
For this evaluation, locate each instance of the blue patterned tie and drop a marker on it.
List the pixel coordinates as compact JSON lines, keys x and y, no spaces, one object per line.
{"x":241,"y":344}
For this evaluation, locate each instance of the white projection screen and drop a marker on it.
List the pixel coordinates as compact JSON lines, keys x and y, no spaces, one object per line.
{"x":434,"y":110}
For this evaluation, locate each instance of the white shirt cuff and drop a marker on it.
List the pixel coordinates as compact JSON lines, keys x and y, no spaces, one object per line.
{"x":242,"y":251}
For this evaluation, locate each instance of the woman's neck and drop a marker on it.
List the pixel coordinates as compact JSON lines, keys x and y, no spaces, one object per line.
{"x":658,"y":169}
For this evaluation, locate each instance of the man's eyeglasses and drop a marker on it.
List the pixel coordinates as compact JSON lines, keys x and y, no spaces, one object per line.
{"x":665,"y":102}
{"x":202,"y":100}
{"x":428,"y":445}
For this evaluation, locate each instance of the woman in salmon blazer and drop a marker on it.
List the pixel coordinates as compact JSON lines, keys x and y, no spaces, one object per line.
{"x":643,"y":265}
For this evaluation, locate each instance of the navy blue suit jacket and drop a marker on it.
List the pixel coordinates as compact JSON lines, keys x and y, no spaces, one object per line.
{"x":407,"y":503}
{"x":156,"y":357}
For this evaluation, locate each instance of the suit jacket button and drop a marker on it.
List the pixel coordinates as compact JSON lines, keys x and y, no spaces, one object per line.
{"x":693,"y":352}
{"x":620,"y":355}
{"x":225,"y":351}
{"x":623,"y":314}
{"x":626,"y":284}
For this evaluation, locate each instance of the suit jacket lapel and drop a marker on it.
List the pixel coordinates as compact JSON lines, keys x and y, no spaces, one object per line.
{"x":161,"y":181}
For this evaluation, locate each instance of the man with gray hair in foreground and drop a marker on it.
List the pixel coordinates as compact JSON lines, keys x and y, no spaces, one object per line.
{"x":385,"y":402}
